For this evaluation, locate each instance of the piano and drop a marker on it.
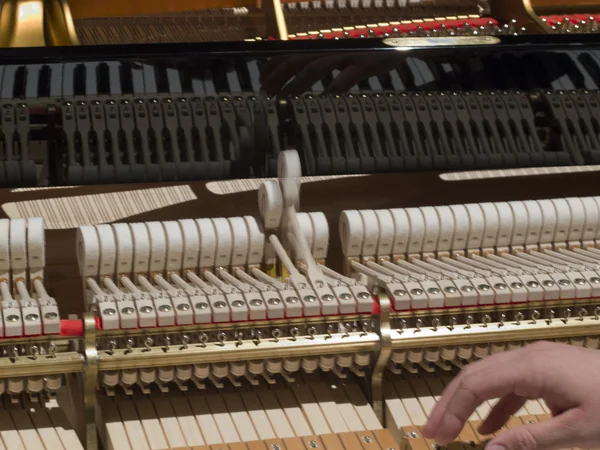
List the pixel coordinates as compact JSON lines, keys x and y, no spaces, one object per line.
{"x":288,"y":240}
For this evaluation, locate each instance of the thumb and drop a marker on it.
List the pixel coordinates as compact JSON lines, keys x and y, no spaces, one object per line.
{"x":558,"y":433}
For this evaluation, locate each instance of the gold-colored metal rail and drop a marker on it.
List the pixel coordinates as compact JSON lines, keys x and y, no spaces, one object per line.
{"x":246,"y":350}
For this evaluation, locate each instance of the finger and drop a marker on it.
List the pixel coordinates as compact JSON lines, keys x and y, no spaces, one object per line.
{"x":279,"y":72}
{"x":490,"y":383}
{"x":346,"y":79}
{"x":561,"y":432}
{"x":501,"y":412}
{"x":497,"y":360}
{"x":313,"y":72}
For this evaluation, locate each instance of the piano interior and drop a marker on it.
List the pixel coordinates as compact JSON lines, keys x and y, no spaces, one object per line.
{"x":287,"y":225}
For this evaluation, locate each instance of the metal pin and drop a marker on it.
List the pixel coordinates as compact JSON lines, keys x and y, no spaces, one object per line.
{"x":311,"y":332}
{"x":276,"y":333}
{"x":519,"y":317}
{"x":452,"y":323}
{"x":329,"y":331}
{"x":185,"y":340}
{"x":486,"y":319}
{"x":257,"y":336}
{"x":34,"y":351}
{"x":222,"y":337}
{"x":419,"y":324}
{"x":129,"y":345}
{"x":469,"y":321}
{"x":535,"y":316}
{"x":435,"y":323}
{"x":294,"y":332}
{"x":551,"y":315}
{"x":167,"y":343}
{"x":582,"y":313}
{"x":502,"y":319}
{"x":203,"y":339}
{"x":112,"y":345}
{"x":567,"y":315}
{"x":52,"y":350}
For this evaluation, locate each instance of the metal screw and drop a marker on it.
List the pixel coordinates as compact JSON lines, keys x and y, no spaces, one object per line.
{"x":365,"y":295}
{"x":533,"y":284}
{"x":433,"y":290}
{"x":467,"y":288}
{"x":564,"y":282}
{"x":516,"y":285}
{"x":399,"y":293}
{"x":256,"y":302}
{"x":327,"y":298}
{"x":146,"y":309}
{"x":483,"y":287}
{"x":450,"y":289}
{"x":220,"y":304}
{"x":595,"y":280}
{"x":127,"y":310}
{"x":106,"y":312}
{"x":183,"y":307}
{"x":274,"y":301}
{"x":579,"y":281}
{"x":164,"y":308}
{"x":292,"y":300}
{"x":366,"y":439}
{"x":310,"y":299}
{"x":31,"y":317}
{"x":237,"y":304}
{"x":548,"y":283}
{"x":500,"y":286}
{"x":50,"y":316}
{"x":201,"y":305}
{"x":345,"y":296}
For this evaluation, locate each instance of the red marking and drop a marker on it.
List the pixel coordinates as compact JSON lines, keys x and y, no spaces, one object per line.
{"x":71,"y":328}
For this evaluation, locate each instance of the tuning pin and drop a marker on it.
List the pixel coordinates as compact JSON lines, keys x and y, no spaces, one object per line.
{"x":567,"y":315}
{"x":535,"y":316}
{"x":435,"y":323}
{"x":582,"y":313}
{"x":311,"y":332}
{"x":486,"y":320}
{"x":276,"y":333}
{"x":418,"y":324}
{"x":502,"y":319}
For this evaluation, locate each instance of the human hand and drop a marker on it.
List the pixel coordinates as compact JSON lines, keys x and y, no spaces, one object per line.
{"x":565,"y":377}
{"x":293,"y":75}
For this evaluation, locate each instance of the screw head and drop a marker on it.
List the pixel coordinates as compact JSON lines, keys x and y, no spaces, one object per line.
{"x":310,"y":299}
{"x":127,"y":310}
{"x":548,"y":283}
{"x":256,"y":302}
{"x":467,"y":288}
{"x":201,"y":305}
{"x":106,"y":312}
{"x":483,"y":287}
{"x":500,"y":286}
{"x":146,"y":309}
{"x":365,"y":295}
{"x":237,"y":304}
{"x":31,"y":317}
{"x":292,"y":300}
{"x":450,"y":289}
{"x":273,"y":301}
{"x":595,"y":280}
{"x":328,"y":298}
{"x":183,"y":307}
{"x":433,"y":291}
{"x":564,"y":282}
{"x":220,"y":304}
{"x":50,"y":316}
{"x":417,"y":291}
{"x":579,"y":281}
{"x":533,"y":284}
{"x":399,"y":293}
{"x":516,"y":285}
{"x":164,"y":308}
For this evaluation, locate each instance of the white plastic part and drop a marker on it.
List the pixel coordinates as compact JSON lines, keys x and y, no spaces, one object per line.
{"x":87,"y":249}
{"x":208,"y":243}
{"x":351,"y":233}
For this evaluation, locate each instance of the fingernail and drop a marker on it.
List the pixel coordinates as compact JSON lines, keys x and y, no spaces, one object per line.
{"x":494,"y":447}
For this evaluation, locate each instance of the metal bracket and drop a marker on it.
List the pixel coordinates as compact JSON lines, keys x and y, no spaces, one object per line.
{"x":520,"y":11}
{"x":36,"y":23}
